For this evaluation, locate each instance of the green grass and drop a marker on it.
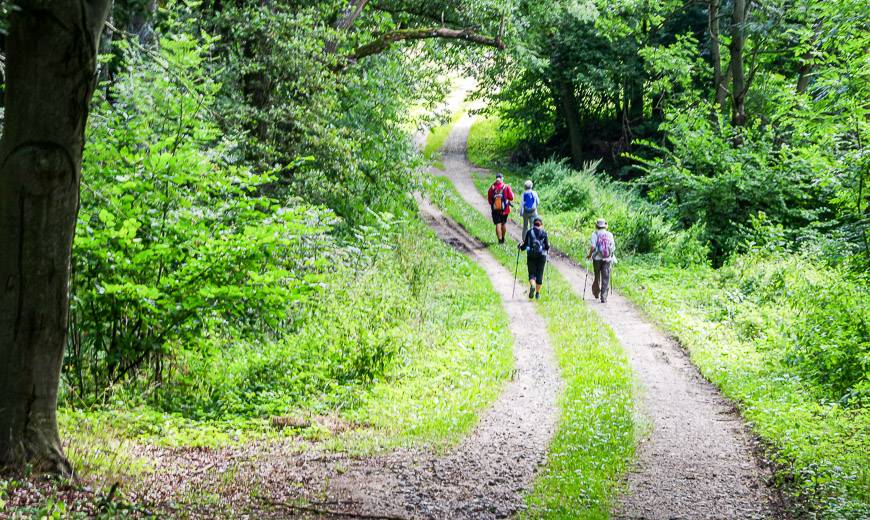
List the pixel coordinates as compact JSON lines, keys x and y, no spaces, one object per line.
{"x":743,"y":326}
{"x":433,"y":308}
{"x":596,"y":434}
{"x":488,"y":145}
{"x":438,"y":135}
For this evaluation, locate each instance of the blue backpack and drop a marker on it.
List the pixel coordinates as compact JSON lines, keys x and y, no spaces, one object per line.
{"x":528,"y":201}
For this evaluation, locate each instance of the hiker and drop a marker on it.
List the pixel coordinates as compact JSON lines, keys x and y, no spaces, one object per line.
{"x":530,"y":207}
{"x":500,"y":197}
{"x":537,"y":245}
{"x":601,"y":250}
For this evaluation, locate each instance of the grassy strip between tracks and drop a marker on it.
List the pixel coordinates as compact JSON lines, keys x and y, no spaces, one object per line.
{"x":595,"y":439}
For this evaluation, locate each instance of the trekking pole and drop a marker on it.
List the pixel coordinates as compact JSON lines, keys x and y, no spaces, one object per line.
{"x":544,"y":271}
{"x":516,"y":266}
{"x":586,"y":279}
{"x":611,"y":278}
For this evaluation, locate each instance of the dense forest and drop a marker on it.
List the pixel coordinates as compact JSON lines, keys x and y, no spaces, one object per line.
{"x":224,"y":195}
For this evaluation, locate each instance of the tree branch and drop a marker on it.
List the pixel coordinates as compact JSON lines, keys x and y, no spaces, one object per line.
{"x":386,"y":40}
{"x":354,"y":9}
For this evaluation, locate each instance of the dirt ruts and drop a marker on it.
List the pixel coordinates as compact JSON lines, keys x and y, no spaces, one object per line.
{"x":698,"y":460}
{"x":486,"y":475}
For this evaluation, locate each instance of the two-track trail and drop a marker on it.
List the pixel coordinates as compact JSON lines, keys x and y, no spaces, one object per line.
{"x":698,"y":460}
{"x":484,"y":477}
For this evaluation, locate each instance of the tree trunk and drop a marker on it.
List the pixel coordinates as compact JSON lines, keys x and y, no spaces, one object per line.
{"x":738,"y":92}
{"x":141,"y":21}
{"x":572,"y":121}
{"x":50,"y":73}
{"x":720,"y":82}
{"x":807,"y":61}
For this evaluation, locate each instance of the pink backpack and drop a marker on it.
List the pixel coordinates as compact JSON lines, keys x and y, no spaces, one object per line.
{"x":601,"y":245}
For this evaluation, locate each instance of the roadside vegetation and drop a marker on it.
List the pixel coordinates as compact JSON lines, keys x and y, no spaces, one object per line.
{"x":725,"y":143}
{"x":780,"y":333}
{"x":595,"y":438}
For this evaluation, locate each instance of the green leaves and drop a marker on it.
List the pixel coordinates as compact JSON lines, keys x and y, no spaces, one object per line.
{"x":175,"y":242}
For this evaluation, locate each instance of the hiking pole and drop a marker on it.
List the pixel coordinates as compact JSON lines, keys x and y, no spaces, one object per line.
{"x":586,"y":279}
{"x":516,"y":266}
{"x":544,"y":271}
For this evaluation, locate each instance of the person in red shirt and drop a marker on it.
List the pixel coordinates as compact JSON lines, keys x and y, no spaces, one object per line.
{"x":500,"y":197}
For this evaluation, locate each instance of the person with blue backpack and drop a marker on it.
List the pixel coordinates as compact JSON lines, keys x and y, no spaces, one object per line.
{"x":602,"y":249}
{"x":536,"y":243}
{"x":530,"y":207}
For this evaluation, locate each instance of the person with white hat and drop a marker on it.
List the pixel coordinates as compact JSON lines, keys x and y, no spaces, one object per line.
{"x":602,"y":249}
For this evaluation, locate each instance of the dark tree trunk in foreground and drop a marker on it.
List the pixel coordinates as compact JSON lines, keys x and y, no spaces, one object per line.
{"x":572,"y":121}
{"x":50,"y":72}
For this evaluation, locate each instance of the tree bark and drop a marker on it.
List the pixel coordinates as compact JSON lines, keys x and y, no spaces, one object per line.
{"x":572,"y":121}
{"x":51,"y":68}
{"x":346,"y":21}
{"x":738,"y":88}
{"x":805,"y":71}
{"x":720,"y":84}
{"x":386,"y":40}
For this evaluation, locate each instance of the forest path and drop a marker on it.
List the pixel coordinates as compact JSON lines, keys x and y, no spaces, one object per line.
{"x":487,"y":474}
{"x":484,"y":477}
{"x":698,"y":460}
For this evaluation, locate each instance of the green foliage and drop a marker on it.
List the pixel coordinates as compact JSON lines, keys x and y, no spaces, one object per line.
{"x":709,"y":181}
{"x":822,"y":328}
{"x":489,"y":144}
{"x":578,"y":198}
{"x":175,"y":244}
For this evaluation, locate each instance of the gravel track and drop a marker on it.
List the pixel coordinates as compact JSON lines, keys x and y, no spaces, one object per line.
{"x":484,"y":477}
{"x":698,"y":460}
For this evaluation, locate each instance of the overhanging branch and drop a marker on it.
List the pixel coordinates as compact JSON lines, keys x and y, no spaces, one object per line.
{"x":386,"y":40}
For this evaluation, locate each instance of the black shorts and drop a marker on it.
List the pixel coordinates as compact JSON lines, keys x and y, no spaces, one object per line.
{"x":499,"y":217}
{"x":536,"y":267}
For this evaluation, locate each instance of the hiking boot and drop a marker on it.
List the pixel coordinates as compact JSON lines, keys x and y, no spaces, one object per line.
{"x":537,"y":296}
{"x":531,"y":292}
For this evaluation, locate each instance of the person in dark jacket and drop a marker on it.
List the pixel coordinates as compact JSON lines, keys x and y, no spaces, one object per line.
{"x":537,"y":245}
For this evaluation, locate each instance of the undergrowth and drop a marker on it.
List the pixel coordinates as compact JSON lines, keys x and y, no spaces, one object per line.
{"x":785,"y":335}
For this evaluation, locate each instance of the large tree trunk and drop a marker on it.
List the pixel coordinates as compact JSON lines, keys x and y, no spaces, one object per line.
{"x":720,"y":82}
{"x":738,"y":92}
{"x":50,"y":73}
{"x":572,"y":121}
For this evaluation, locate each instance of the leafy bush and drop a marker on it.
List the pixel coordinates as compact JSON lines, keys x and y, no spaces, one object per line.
{"x":569,"y":194}
{"x":175,"y":244}
{"x":706,"y":179}
{"x":638,"y":226}
{"x":823,"y":328}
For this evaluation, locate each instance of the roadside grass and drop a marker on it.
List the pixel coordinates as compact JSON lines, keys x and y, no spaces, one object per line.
{"x":428,"y":311}
{"x":595,"y":439}
{"x":751,"y":327}
{"x":438,"y":136}
{"x":488,"y":145}
{"x":416,"y":324}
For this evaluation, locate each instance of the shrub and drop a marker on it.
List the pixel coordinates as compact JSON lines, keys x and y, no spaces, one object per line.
{"x":823,"y":328}
{"x":174,"y":243}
